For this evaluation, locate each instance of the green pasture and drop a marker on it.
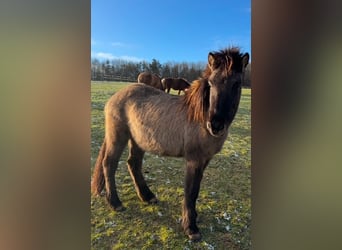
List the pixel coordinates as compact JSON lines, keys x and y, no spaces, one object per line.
{"x":224,"y":203}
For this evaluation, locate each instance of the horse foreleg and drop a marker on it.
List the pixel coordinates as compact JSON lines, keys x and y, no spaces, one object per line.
{"x":179,"y":92}
{"x":193,"y":177}
{"x":134,"y":164}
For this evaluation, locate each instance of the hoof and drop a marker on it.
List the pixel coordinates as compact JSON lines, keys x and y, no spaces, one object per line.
{"x":195,"y":237}
{"x":120,"y":209}
{"x":154,"y":200}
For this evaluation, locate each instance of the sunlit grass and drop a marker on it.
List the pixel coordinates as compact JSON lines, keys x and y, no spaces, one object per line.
{"x":224,"y":203}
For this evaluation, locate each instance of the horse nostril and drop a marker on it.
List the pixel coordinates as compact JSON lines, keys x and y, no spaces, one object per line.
{"x":217,"y":125}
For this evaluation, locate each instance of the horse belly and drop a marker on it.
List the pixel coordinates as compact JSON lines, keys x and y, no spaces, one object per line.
{"x":158,"y":139}
{"x":158,"y":143}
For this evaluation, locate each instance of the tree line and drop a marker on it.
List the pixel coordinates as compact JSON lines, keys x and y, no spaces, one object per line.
{"x":127,"y":71}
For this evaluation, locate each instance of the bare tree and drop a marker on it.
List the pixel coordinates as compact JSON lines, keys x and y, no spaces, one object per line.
{"x":121,"y":70}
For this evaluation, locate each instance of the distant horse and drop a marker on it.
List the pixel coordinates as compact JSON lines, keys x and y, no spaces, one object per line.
{"x":175,"y":83}
{"x":193,"y":126}
{"x":150,"y":79}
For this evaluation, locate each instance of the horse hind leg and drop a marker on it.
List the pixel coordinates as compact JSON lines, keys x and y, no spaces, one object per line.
{"x":114,"y":148}
{"x":134,"y":163}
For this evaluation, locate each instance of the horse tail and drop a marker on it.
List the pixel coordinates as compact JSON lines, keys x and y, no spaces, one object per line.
{"x":98,"y":181}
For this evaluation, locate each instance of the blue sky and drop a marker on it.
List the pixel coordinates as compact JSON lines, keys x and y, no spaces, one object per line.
{"x":168,"y":30}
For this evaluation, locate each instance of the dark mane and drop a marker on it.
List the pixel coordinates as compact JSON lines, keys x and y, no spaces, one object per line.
{"x":196,"y":99}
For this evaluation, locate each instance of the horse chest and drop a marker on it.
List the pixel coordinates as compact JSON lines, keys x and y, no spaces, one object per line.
{"x":201,"y":143}
{"x":213,"y":145}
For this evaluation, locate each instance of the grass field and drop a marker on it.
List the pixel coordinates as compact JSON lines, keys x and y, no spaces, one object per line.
{"x":224,"y":203}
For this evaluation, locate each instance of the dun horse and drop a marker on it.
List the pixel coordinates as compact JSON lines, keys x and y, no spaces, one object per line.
{"x":193,"y":126}
{"x":150,"y":79}
{"x":175,"y":83}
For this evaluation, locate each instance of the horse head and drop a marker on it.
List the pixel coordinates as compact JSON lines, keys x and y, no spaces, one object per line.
{"x":223,"y":76}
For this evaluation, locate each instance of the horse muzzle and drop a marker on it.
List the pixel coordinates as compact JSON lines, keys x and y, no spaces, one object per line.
{"x":216,"y":127}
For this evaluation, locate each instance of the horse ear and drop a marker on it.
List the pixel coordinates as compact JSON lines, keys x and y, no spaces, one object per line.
{"x":212,"y":61}
{"x":245,"y":60}
{"x":229,"y":62}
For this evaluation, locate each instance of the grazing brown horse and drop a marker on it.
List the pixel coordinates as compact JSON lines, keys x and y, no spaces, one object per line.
{"x":193,"y":126}
{"x":150,"y":79}
{"x":175,"y":83}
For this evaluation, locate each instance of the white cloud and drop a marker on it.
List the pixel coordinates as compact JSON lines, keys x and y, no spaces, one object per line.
{"x":102,"y":55}
{"x":109,"y":56}
{"x":118,"y":44}
{"x":131,"y":58}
